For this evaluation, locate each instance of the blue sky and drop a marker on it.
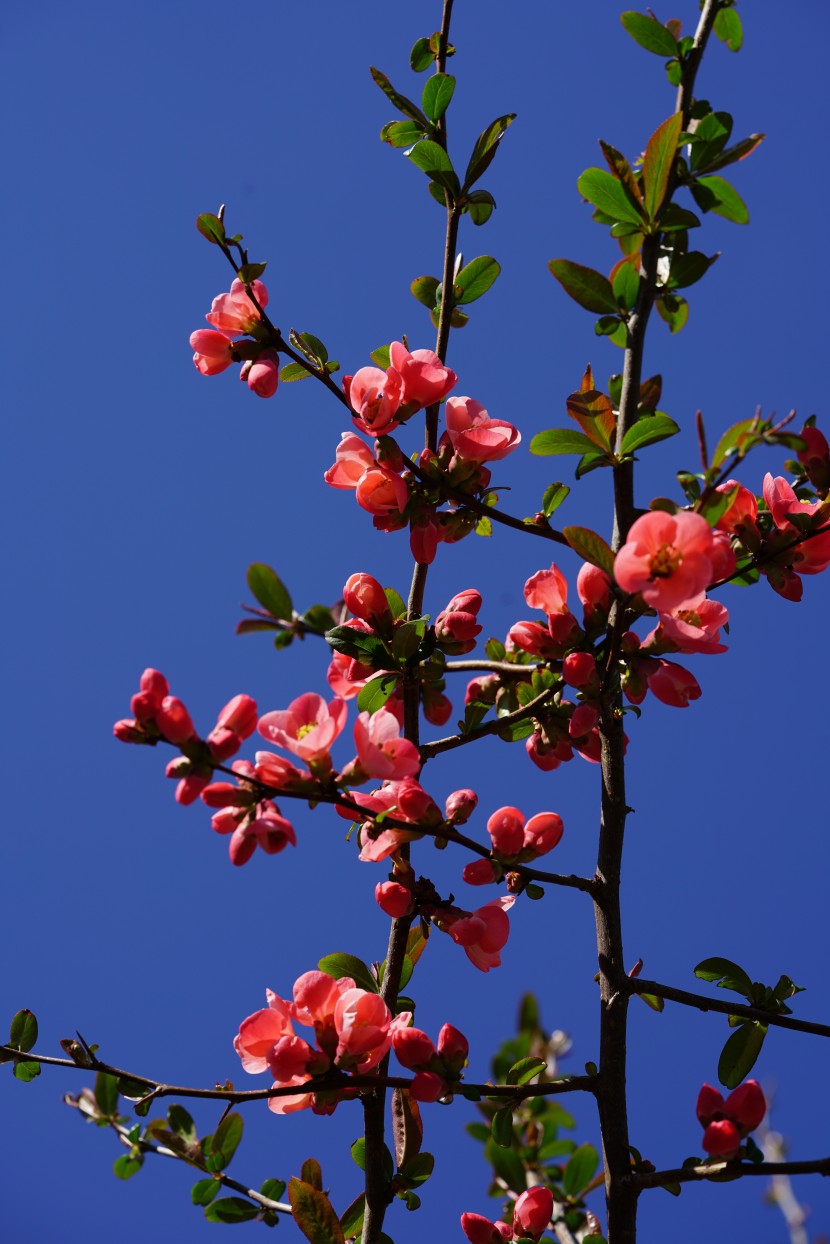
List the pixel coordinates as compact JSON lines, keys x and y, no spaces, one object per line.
{"x":138,"y":492}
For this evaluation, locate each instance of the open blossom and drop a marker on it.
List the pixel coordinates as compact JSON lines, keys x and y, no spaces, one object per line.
{"x":813,"y":555}
{"x":671,"y":684}
{"x":668,"y":558}
{"x":352,"y":458}
{"x":308,"y":727}
{"x":548,"y":590}
{"x":742,"y":511}
{"x":693,"y":627}
{"x":374,"y":397}
{"x":381,"y":751}
{"x":381,"y":492}
{"x":234,"y":313}
{"x":728,"y":1122}
{"x":405,"y":801}
{"x":212,"y":351}
{"x":353,"y":1030}
{"x":474,"y":435}
{"x":483,"y":933}
{"x":424,"y":378}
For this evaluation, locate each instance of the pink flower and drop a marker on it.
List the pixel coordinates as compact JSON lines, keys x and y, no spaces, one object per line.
{"x":484,"y":933}
{"x":742,"y":510}
{"x":480,"y":1230}
{"x":480,"y":872}
{"x":506,"y":830}
{"x":437,"y":707}
{"x":381,"y":751}
{"x":728,"y":1122}
{"x":213,"y":351}
{"x":260,"y":1031}
{"x":579,"y":669}
{"x":235,"y":723}
{"x":374,"y":397}
{"x":279,"y":773}
{"x":668,"y":558}
{"x":376,"y":846}
{"x":813,"y":555}
{"x":394,"y":899}
{"x":672,"y":684}
{"x":816,"y":457}
{"x":543,"y":832}
{"x":234,"y":313}
{"x":366,"y":599}
{"x":308,"y":727}
{"x":423,"y":541}
{"x":456,"y":626}
{"x":532,"y":1212}
{"x":413,"y":1048}
{"x":425,"y":379}
{"x":352,"y":457}
{"x":474,"y":435}
{"x":534,"y":638}
{"x":460,"y":806}
{"x":693,"y":627}
{"x":153,"y":687}
{"x":263,"y":373}
{"x":173,"y":721}
{"x":547,"y":590}
{"x":381,"y":492}
{"x":365,"y":1029}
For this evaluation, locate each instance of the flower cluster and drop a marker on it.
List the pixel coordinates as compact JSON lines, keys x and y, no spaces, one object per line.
{"x":250,"y":820}
{"x":515,"y":841}
{"x":729,"y":1122}
{"x":394,"y":492}
{"x":436,"y":1069}
{"x":233,"y":315}
{"x":353,"y":1029}
{"x":531,"y":1215}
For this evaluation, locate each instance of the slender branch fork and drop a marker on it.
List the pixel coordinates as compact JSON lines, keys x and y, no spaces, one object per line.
{"x":702,"y":1003}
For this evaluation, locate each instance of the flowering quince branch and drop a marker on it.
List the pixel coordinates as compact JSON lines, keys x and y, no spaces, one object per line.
{"x":331,"y":1041}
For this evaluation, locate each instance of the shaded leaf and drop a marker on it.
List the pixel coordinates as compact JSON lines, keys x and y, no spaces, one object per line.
{"x":580,"y":1170}
{"x":203,"y":1192}
{"x":211,"y":227}
{"x":23,"y":1030}
{"x":351,"y":1220}
{"x":485,"y":148}
{"x":502,"y":1127}
{"x":726,"y":973}
{"x":738,"y":152}
{"x":589,"y":288}
{"x":674,"y":310}
{"x":293,"y":371}
{"x":106,"y":1093}
{"x":401,"y":102}
{"x":475,"y":278}
{"x":525,"y":1069}
{"x":376,"y":692}
{"x":590,"y":546}
{"x":340,"y":964}
{"x":480,"y":205}
{"x":622,"y":170}
{"x":715,"y":194}
{"x":231,"y":1209}
{"x":314,"y":1214}
{"x":126,"y":1166}
{"x":689,"y":268}
{"x":424,"y":288}
{"x":225,"y":1140}
{"x":740,"y":1054}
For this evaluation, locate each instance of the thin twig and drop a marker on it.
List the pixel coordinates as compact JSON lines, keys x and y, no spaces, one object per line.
{"x":724,"y":1007}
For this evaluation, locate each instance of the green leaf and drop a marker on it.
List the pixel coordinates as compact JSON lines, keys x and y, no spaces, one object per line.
{"x":369,"y":649}
{"x":380,"y":357}
{"x":739,"y":437}
{"x":401,"y":133}
{"x":396,"y":602}
{"x":553,"y":497}
{"x":225,"y":1140}
{"x":740,"y":1053}
{"x":314,"y":1214}
{"x":515,"y":731}
{"x":475,"y":278}
{"x":649,"y":33}
{"x":203,"y":1192}
{"x":250,"y":272}
{"x":407,"y":639}
{"x":726,"y":973}
{"x":293,"y":371}
{"x":182,"y":1124}
{"x":358,"y":1152}
{"x":715,"y":194}
{"x":590,"y":289}
{"x":590,"y":547}
{"x":658,"y":163}
{"x":106,"y":1093}
{"x":340,"y":964}
{"x":580,"y":1170}
{"x":502,"y":1127}
{"x":674,"y":310}
{"x":561,"y":441}
{"x":652,"y":1000}
{"x":525,"y":1069}
{"x":673,"y":218}
{"x":23,"y":1031}
{"x":485,"y":148}
{"x":273,"y":1189}
{"x":738,"y":152}
{"x":484,"y":526}
{"x":402,"y":104}
{"x":26,"y":1071}
{"x":609,"y":195}
{"x":729,"y":29}
{"x":421,"y":56}
{"x":431,"y":158}
{"x":590,"y":461}
{"x":647,"y":431}
{"x":622,"y":170}
{"x":211,"y":227}
{"x":689,"y":268}
{"x":231,"y":1209}
{"x":424,"y":288}
{"x":709,"y":139}
{"x":269,"y":590}
{"x":376,"y":692}
{"x":626,"y":283}
{"x":507,"y":1164}
{"x":419,"y":1168}
{"x":480,"y":205}
{"x":438,"y":92}
{"x":351,"y":1220}
{"x":126,"y":1166}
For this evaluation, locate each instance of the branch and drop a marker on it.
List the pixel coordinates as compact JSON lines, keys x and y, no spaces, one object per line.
{"x":729,"y":1170}
{"x":702,"y":1003}
{"x":492,"y":727}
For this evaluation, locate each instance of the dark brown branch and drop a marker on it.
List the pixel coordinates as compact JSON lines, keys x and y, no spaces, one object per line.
{"x":723,"y":1006}
{"x":732,"y":1170}
{"x":452,"y":741}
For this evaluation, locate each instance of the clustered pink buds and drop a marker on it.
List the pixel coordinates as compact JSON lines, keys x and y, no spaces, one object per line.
{"x":515,"y":841}
{"x":531,"y":1214}
{"x":728,"y":1122}
{"x":382,"y":400}
{"x":353,"y":1030}
{"x":482,"y":933}
{"x":233,"y":315}
{"x":436,"y":1069}
{"x":250,"y":820}
{"x":456,"y":626}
